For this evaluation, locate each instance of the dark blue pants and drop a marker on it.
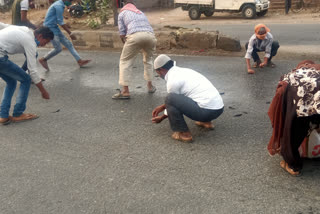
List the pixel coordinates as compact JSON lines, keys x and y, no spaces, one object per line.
{"x":178,"y":105}
{"x":274,"y":50}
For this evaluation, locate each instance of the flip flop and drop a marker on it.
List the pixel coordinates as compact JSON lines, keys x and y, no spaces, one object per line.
{"x":5,"y":121}
{"x":152,"y":90}
{"x":178,"y":136}
{"x":119,"y":96}
{"x":84,"y":62}
{"x":286,"y":167}
{"x":24,"y":117}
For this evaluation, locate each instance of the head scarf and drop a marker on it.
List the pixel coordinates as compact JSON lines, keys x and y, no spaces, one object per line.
{"x":305,"y":63}
{"x":257,"y":29}
{"x":130,"y":6}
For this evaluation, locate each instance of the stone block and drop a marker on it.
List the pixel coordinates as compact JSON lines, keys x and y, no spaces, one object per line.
{"x":197,"y":40}
{"x":165,"y":40}
{"x":228,"y":44}
{"x":80,"y":41}
{"x":106,"y":40}
{"x":87,"y":38}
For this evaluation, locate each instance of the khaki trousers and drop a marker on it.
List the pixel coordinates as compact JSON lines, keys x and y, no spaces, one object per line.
{"x":140,"y":41}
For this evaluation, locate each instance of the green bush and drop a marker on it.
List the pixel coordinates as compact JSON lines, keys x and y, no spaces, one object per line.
{"x":99,"y":12}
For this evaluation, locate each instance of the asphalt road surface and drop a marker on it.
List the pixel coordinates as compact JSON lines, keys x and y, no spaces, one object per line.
{"x":88,"y":153}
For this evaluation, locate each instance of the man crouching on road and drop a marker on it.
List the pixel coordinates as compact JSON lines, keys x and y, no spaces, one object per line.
{"x":14,"y":40}
{"x":261,"y":41}
{"x":190,"y":94}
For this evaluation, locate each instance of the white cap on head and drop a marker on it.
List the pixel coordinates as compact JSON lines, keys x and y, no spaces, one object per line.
{"x":160,"y":61}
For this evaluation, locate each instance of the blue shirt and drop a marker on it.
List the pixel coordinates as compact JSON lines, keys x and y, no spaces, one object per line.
{"x":130,"y":22}
{"x":54,"y":17}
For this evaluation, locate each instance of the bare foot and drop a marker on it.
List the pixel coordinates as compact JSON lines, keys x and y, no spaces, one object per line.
{"x":83,"y":62}
{"x":44,"y":63}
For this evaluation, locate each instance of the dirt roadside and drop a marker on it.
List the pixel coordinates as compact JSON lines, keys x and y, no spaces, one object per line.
{"x":176,"y":17}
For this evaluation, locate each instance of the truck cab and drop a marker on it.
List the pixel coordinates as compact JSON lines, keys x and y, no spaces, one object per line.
{"x":249,"y":8}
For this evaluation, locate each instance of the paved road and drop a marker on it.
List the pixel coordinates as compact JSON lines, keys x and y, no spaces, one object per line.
{"x":90,"y":154}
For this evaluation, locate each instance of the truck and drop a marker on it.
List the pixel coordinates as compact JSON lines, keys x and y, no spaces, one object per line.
{"x":249,"y":8}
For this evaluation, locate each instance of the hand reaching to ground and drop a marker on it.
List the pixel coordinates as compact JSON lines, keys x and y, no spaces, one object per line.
{"x":250,"y":71}
{"x":158,"y":119}
{"x":158,"y":110}
{"x":45,"y":95}
{"x":263,"y":64}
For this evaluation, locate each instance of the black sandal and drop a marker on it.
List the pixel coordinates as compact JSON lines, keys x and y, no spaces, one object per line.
{"x":119,"y":96}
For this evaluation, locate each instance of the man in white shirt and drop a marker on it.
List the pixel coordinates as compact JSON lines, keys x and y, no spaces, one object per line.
{"x":190,"y":94}
{"x":14,"y":40}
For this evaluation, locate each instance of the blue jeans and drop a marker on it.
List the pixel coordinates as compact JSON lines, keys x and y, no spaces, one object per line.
{"x":60,"y":38}
{"x":11,"y":73}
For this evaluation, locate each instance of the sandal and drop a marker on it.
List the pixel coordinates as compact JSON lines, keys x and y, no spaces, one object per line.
{"x":206,"y":125}
{"x":271,"y":64}
{"x":256,"y":64}
{"x":24,"y":117}
{"x":286,"y":167}
{"x":5,"y":121}
{"x":119,"y":96}
{"x":178,"y":136}
{"x":82,"y":63}
{"x":152,"y":90}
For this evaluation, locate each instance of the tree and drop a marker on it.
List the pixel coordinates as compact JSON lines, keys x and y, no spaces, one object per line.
{"x":115,"y":12}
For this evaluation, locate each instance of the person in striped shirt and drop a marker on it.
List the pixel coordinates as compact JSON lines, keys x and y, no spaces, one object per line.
{"x":137,"y":35}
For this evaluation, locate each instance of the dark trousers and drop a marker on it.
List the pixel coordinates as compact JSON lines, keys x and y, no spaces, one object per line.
{"x":274,"y":50}
{"x":178,"y":105}
{"x":299,"y":130}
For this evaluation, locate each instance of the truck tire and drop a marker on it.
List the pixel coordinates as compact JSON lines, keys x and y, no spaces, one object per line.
{"x":208,"y":13}
{"x":249,"y":11}
{"x":262,"y":13}
{"x":194,"y":13}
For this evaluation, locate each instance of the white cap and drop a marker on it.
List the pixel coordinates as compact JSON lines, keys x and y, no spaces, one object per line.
{"x":160,"y":61}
